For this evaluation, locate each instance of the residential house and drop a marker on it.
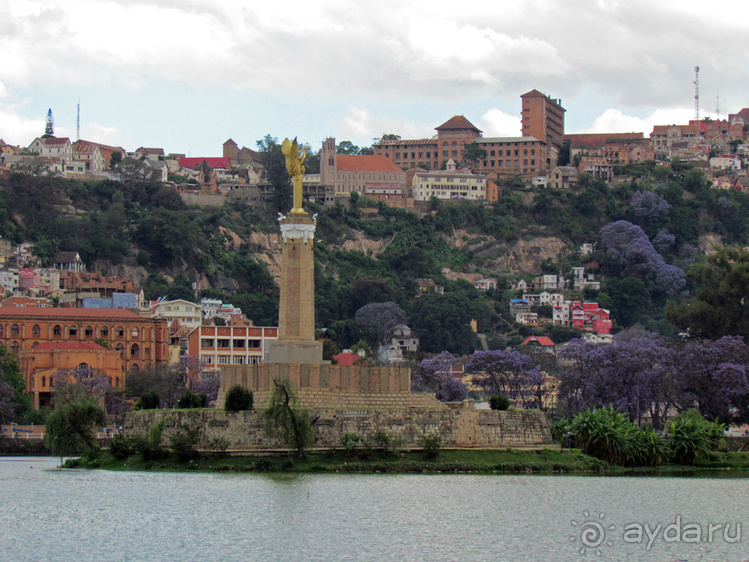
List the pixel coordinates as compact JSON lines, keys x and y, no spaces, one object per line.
{"x":187,"y":313}
{"x":150,"y":153}
{"x":725,"y":162}
{"x":485,"y":284}
{"x":69,"y":261}
{"x":541,"y":342}
{"x":596,"y":167}
{"x":53,"y":147}
{"x":563,"y":177}
{"x":429,"y":286}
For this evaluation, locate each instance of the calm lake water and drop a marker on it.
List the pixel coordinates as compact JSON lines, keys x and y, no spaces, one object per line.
{"x":48,"y":514}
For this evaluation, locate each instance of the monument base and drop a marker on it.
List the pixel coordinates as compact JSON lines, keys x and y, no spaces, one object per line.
{"x":304,"y":352}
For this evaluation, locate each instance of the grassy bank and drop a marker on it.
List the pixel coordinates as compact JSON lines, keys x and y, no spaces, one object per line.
{"x":463,"y":462}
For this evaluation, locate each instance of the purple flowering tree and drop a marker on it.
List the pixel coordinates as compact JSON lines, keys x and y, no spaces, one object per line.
{"x":435,"y":375}
{"x":649,"y":207}
{"x":87,"y":383}
{"x":379,"y":319}
{"x":628,"y":252}
{"x":634,"y":375}
{"x":713,"y":377}
{"x":511,"y":373}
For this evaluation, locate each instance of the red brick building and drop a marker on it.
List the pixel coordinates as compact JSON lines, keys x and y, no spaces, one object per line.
{"x":142,"y":342}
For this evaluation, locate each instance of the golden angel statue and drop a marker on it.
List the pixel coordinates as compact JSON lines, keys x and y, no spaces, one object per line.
{"x":295,"y":167}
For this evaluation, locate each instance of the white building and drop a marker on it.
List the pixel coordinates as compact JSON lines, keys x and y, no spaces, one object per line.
{"x":448,"y":184}
{"x":187,"y":313}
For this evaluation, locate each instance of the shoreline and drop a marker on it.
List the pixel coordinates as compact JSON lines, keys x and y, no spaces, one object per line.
{"x":506,"y":461}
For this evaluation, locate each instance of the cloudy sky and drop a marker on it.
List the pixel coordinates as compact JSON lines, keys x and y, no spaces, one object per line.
{"x":186,"y":75}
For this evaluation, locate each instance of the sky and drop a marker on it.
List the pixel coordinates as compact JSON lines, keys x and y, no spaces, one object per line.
{"x":186,"y":75}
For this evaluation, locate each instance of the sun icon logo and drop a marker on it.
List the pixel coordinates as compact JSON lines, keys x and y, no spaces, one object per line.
{"x":592,"y":533}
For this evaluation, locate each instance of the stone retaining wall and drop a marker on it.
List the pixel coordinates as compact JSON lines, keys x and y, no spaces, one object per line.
{"x":247,"y":432}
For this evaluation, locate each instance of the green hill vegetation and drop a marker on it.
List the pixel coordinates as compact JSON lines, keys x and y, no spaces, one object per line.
{"x":650,"y":225}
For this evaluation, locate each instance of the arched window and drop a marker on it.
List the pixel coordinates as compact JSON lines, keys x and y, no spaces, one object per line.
{"x":89,"y":331}
{"x":134,"y":367}
{"x":51,"y":381}
{"x":134,"y":350}
{"x":120,"y":332}
{"x":44,"y":381}
{"x":104,"y":332}
{"x":57,"y":330}
{"x":120,"y":348}
{"x":14,"y":347}
{"x":14,"y":330}
{"x":36,"y":330}
{"x":134,"y":332}
{"x":110,"y":381}
{"x":117,"y":382}
{"x":73,"y":330}
{"x":35,"y":344}
{"x":1,"y":329}
{"x":83,"y":366}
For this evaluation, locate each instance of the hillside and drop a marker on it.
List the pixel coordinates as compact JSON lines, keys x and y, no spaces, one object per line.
{"x":367,"y":252}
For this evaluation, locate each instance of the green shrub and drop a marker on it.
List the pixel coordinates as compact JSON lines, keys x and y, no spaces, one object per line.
{"x":238,"y":398}
{"x":351,"y":443}
{"x":430,"y":444}
{"x":218,"y":446}
{"x":149,"y":400}
{"x":190,"y":399}
{"x":693,"y":437}
{"x":152,"y":448}
{"x":388,"y":444}
{"x":184,"y":445}
{"x":559,"y":431}
{"x":499,"y":402}
{"x":121,"y":447}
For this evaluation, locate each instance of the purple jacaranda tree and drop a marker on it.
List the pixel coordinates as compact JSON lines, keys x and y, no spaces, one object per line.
{"x":509,"y":372}
{"x":713,"y":376}
{"x":435,"y":375}
{"x":209,"y":388}
{"x":379,"y":319}
{"x":664,"y":241}
{"x":649,"y":208}
{"x":634,"y":375}
{"x":628,"y":252}
{"x":83,"y":382}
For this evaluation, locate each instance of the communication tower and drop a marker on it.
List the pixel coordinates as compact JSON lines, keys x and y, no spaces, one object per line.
{"x":697,"y":93}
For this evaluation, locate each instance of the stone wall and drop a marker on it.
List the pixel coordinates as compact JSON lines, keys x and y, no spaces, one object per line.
{"x":247,"y":432}
{"x":341,"y":379}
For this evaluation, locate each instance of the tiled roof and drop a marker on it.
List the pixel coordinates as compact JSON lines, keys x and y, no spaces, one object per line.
{"x":407,"y":143}
{"x":485,"y":140}
{"x":213,"y":162}
{"x":71,"y":313}
{"x":542,"y":340}
{"x":457,"y":122}
{"x":365,"y":163}
{"x":54,"y":141}
{"x":67,"y":257}
{"x":593,"y":140}
{"x":157,"y":151}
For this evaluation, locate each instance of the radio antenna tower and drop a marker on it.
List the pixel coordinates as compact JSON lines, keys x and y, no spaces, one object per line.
{"x":78,"y":122}
{"x":717,"y":105}
{"x":696,"y":93}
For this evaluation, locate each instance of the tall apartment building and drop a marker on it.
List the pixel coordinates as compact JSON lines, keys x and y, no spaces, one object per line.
{"x":543,"y":118}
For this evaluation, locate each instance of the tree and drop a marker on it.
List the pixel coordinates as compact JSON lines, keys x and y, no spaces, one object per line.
{"x":49,"y":127}
{"x":444,"y":323}
{"x":115,"y":159}
{"x":347,"y":147}
{"x":71,"y":427}
{"x":284,"y":416}
{"x":720,"y":305}
{"x":472,"y":153}
{"x":511,"y":373}
{"x":238,"y":398}
{"x":435,"y":375}
{"x":379,"y":319}
{"x":14,"y":402}
{"x":274,"y":163}
{"x":387,"y":137}
{"x":84,"y":383}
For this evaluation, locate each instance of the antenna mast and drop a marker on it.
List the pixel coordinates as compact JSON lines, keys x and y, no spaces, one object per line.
{"x":717,"y":105}
{"x":78,"y":122}
{"x":696,"y":93}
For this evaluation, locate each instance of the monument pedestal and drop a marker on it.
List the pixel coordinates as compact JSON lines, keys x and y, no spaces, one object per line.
{"x":303,"y":352}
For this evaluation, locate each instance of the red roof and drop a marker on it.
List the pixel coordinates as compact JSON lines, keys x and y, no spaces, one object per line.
{"x":52,"y":141}
{"x":541,"y":340}
{"x":457,"y":122}
{"x":69,"y":345}
{"x":62,"y":313}
{"x":347,"y":359}
{"x":212,"y":162}
{"x":365,"y":163}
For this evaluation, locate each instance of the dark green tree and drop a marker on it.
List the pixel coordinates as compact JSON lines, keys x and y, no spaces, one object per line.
{"x":473,"y":153}
{"x":71,"y":427}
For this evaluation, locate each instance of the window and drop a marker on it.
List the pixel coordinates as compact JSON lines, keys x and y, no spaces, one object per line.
{"x":1,"y":329}
{"x":135,"y":367}
{"x":120,"y":348}
{"x":148,"y":351}
{"x":134,"y":332}
{"x":73,"y":331}
{"x":253,"y":344}
{"x":35,"y":344}
{"x":88,"y":332}
{"x":120,"y":332}
{"x":222,"y":343}
{"x":44,"y":381}
{"x":14,"y":347}
{"x":238,"y":344}
{"x":206,"y":342}
{"x":134,"y":350}
{"x":36,"y":330}
{"x":57,"y":330}
{"x":223,"y":359}
{"x":104,"y":332}
{"x":117,"y":382}
{"x":14,"y":330}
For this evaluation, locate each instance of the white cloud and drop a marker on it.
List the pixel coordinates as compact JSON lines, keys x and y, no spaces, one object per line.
{"x":16,"y":129}
{"x":615,"y":121}
{"x":356,"y":124}
{"x":3,"y":91}
{"x":497,"y":123}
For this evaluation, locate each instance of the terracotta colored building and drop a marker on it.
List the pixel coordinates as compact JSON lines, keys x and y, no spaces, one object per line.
{"x":543,"y":118}
{"x":347,"y":173}
{"x":142,"y":342}
{"x":40,"y":365}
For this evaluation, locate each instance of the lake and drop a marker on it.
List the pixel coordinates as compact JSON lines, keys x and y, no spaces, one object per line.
{"x":50,"y":514}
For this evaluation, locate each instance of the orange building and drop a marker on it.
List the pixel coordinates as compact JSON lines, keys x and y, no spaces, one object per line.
{"x":141,"y":342}
{"x":543,"y":118}
{"x":236,"y":344}
{"x":40,"y":365}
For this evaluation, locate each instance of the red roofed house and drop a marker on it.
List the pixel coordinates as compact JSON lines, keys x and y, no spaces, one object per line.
{"x":221,"y":170}
{"x":88,"y":150}
{"x":348,"y":173}
{"x":543,"y":342}
{"x":53,"y":147}
{"x":42,"y":363}
{"x":150,"y":153}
